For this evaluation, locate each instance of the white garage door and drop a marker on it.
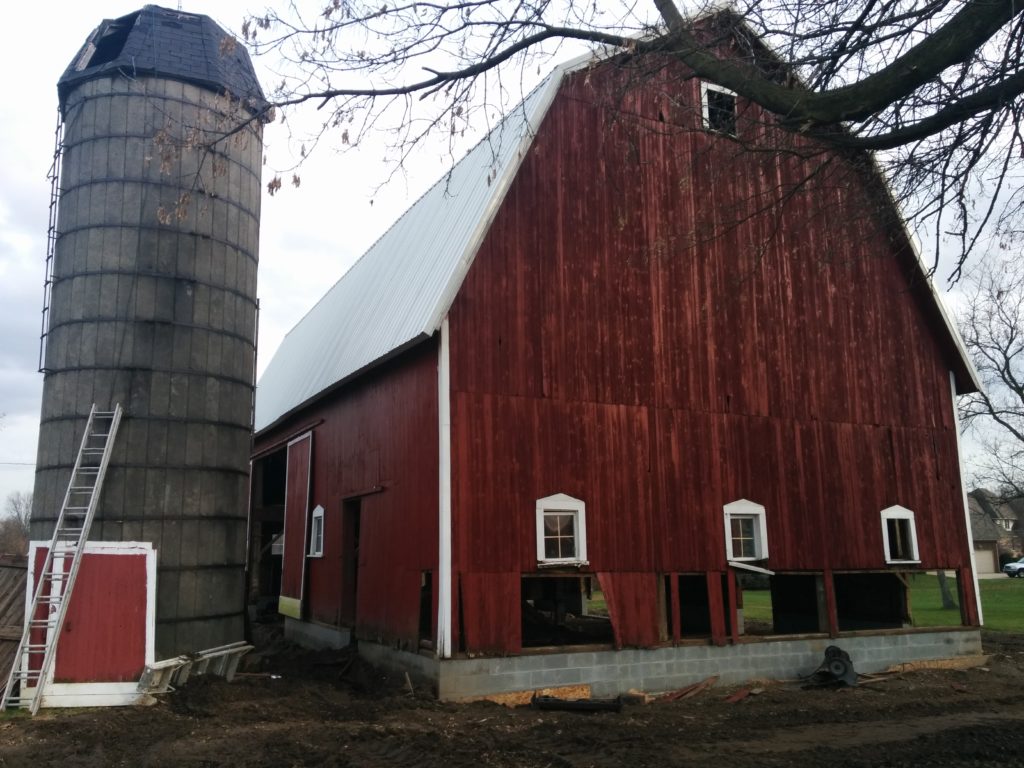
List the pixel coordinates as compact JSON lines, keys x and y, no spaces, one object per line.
{"x":986,"y":560}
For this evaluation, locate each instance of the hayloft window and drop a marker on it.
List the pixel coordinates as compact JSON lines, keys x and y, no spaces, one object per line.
{"x":316,"y":533}
{"x":719,"y":107}
{"x":899,"y":535}
{"x":746,"y":533}
{"x":561,"y":530}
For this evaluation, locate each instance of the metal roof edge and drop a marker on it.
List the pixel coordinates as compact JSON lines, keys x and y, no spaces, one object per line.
{"x":502,"y":184}
{"x":951,"y":329}
{"x":441,"y":180}
{"x":376,"y":363}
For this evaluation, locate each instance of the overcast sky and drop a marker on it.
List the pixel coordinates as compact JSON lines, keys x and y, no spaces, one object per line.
{"x":308,"y":237}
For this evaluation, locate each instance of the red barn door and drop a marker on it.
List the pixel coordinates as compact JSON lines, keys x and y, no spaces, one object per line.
{"x":296,"y":518}
{"x":108,"y":633}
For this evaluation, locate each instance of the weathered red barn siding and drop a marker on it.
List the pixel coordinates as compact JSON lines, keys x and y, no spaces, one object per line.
{"x":648,"y":328}
{"x":376,"y":439}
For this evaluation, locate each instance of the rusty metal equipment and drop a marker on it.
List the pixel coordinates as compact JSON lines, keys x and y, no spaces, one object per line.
{"x":836,"y":669}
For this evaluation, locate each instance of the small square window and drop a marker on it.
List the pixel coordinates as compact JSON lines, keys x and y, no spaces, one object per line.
{"x":316,"y":533}
{"x":899,"y":535}
{"x":561,"y":530}
{"x":719,"y":109}
{"x":746,"y":533}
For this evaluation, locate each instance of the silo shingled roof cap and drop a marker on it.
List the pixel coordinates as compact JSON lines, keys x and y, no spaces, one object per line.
{"x":160,"y":42}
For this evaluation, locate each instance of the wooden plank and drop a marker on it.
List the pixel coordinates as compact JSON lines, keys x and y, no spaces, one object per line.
{"x":717,"y":607}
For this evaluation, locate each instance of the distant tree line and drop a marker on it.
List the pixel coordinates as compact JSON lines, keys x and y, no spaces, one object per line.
{"x":14,"y":523}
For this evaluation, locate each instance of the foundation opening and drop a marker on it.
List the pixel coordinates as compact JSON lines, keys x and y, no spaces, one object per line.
{"x":564,"y":610}
{"x":934,"y":599}
{"x":694,"y":606}
{"x":796,"y":604}
{"x":871,"y":601}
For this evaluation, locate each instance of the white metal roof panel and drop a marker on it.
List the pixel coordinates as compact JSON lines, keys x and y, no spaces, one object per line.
{"x":400,"y":289}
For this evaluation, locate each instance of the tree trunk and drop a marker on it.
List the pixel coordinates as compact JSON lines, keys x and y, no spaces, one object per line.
{"x":947,"y":597}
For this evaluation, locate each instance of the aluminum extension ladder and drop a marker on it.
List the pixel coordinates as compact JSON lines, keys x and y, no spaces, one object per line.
{"x":37,"y":649}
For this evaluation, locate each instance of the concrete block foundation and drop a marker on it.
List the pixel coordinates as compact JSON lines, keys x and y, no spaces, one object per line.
{"x":611,"y":672}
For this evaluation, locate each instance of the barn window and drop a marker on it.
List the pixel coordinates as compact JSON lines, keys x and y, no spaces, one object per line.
{"x":746,"y":534}
{"x":316,"y":533}
{"x":719,"y":108}
{"x":561,"y":530}
{"x":899,"y":535}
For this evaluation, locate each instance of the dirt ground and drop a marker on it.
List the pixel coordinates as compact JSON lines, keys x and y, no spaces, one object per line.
{"x":304,"y":709}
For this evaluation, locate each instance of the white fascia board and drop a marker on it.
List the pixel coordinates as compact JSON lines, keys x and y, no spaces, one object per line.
{"x":749,"y":567}
{"x":951,"y":328}
{"x":967,"y":509}
{"x":444,"y":526}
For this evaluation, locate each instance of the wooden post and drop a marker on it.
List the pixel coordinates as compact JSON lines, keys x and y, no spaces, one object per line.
{"x":734,"y":629}
{"x":716,"y":607}
{"x":828,"y":615}
{"x":677,"y":608}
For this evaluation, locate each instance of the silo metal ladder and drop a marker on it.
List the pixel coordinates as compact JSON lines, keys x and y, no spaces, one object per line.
{"x":54,"y":582}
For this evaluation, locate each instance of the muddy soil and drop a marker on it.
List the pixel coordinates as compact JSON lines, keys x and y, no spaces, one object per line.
{"x":303,"y":709}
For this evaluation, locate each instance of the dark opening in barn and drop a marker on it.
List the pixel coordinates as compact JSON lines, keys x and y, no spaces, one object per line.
{"x":694,"y":606}
{"x":796,"y":604}
{"x":427,"y":610}
{"x":870,"y":601}
{"x":564,"y":610}
{"x":267,"y":524}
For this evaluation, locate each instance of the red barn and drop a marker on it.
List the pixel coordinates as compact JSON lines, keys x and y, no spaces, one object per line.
{"x":629,"y":398}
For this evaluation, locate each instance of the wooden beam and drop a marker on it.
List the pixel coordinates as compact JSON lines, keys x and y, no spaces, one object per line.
{"x":716,"y":607}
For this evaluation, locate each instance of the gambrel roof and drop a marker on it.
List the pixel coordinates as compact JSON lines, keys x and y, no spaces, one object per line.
{"x":400,"y":290}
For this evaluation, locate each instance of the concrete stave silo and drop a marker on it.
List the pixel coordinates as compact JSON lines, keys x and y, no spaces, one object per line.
{"x":153,"y":305}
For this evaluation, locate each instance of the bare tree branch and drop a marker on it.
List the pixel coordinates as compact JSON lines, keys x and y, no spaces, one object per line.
{"x":936,"y":86}
{"x":992,"y":324}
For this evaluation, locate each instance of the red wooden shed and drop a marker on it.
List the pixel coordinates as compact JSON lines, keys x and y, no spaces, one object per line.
{"x":645,"y":389}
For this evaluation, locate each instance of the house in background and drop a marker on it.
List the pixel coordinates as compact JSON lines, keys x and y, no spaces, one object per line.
{"x":608,"y":367}
{"x":1006,"y":515}
{"x":986,"y":536}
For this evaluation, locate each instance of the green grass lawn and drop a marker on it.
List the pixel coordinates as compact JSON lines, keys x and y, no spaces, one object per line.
{"x":926,"y":601}
{"x":1001,"y":599}
{"x":757,"y":606}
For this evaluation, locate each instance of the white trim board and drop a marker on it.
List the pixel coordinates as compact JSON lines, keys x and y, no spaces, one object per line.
{"x":444,"y":499}
{"x":967,"y":509}
{"x":94,"y":695}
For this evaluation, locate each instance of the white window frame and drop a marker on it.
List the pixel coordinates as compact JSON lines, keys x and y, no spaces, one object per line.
{"x":896,"y":512}
{"x":705,"y":107}
{"x":561,"y":503}
{"x":746,"y":508}
{"x":316,"y":523}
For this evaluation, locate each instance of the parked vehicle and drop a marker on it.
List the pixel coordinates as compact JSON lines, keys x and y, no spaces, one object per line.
{"x":1014,"y":569}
